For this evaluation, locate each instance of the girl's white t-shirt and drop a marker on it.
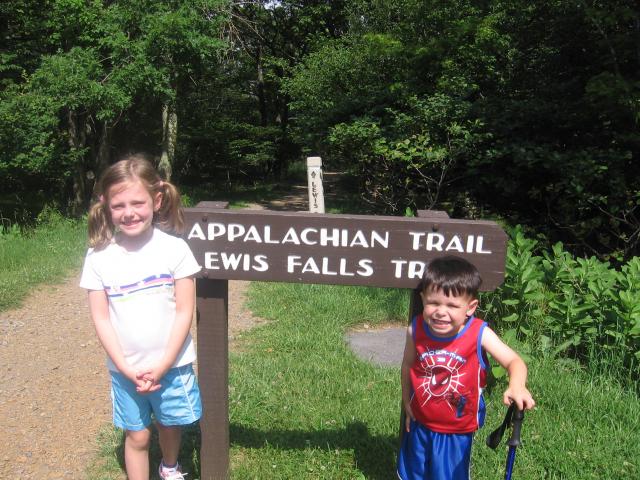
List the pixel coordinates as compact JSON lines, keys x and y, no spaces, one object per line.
{"x":140,"y":289}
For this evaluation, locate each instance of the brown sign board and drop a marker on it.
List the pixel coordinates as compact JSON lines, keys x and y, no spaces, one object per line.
{"x":301,"y":247}
{"x":310,"y":248}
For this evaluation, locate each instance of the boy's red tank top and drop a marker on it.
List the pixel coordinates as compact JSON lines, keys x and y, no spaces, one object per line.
{"x":448,"y":377}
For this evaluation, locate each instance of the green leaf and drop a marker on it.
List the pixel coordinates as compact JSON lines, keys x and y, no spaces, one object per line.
{"x":511,"y":301}
{"x":510,"y":318}
{"x":498,"y":372}
{"x":526,"y":331}
{"x":563,"y":346}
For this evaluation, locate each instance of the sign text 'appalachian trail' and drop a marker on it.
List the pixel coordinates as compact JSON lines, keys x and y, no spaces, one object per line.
{"x":337,"y":249}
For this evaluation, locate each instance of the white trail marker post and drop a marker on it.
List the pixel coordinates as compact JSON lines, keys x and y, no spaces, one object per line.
{"x":314,"y":180}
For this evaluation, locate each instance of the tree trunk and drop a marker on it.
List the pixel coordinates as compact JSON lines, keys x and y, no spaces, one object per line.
{"x":284,"y":144}
{"x":104,"y":147}
{"x":262,"y":101}
{"x":77,"y":143}
{"x":102,"y":158}
{"x":169,"y":140}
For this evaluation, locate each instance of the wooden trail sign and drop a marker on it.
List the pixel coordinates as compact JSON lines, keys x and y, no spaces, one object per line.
{"x":303,"y":247}
{"x":337,"y":249}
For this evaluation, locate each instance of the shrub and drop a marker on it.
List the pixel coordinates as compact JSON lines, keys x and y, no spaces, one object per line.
{"x":577,"y":307}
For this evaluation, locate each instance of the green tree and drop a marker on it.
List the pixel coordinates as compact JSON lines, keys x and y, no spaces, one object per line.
{"x":563,"y":120}
{"x":543,"y":98}
{"x":180,"y":40}
{"x":102,"y":61}
{"x":270,"y":38}
{"x":45,"y":112}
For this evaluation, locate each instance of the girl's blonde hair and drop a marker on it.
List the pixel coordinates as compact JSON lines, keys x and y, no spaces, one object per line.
{"x":133,"y":167}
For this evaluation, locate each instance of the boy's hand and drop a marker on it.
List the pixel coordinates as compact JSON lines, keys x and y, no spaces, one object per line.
{"x":520,"y":396}
{"x":408,"y":417}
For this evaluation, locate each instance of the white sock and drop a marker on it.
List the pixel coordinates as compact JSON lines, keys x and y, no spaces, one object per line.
{"x":167,"y":469}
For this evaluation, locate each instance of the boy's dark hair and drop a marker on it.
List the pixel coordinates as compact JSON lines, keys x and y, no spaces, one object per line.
{"x":452,"y":275}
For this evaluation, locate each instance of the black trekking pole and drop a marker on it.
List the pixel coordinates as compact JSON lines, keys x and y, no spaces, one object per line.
{"x":514,"y":418}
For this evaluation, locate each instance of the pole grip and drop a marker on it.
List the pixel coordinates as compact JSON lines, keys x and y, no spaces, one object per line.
{"x":518,"y":417}
{"x":495,"y":437}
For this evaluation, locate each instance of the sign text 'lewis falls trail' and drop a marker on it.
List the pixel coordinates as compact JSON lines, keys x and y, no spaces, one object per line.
{"x":337,"y":249}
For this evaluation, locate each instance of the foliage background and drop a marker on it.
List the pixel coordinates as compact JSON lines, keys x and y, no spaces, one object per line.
{"x":518,"y":111}
{"x":523,"y":111}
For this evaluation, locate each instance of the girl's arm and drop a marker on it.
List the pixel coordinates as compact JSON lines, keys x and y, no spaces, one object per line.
{"x":99,"y":309}
{"x":405,"y":377}
{"x":515,"y":367}
{"x":185,"y":301}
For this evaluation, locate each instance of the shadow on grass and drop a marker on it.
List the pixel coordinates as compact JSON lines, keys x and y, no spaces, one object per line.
{"x":374,"y":455}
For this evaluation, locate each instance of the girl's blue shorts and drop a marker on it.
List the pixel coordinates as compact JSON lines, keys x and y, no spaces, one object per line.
{"x":428,"y":455}
{"x":177,"y":402}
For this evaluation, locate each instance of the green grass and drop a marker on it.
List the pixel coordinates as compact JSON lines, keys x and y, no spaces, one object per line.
{"x":109,"y":463}
{"x":584,"y":427}
{"x":43,"y":254}
{"x":303,"y":406}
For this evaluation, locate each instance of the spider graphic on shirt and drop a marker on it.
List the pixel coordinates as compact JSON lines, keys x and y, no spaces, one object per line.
{"x":442,"y":378}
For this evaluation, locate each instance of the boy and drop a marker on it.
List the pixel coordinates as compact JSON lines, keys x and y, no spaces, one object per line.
{"x":444,"y":372}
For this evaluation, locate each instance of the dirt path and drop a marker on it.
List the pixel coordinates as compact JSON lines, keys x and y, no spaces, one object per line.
{"x":53,"y":384}
{"x":54,"y":387}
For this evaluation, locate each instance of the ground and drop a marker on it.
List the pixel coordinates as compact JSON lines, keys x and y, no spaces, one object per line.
{"x":54,"y":386}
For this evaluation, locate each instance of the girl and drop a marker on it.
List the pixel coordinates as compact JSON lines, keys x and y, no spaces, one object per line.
{"x":141,"y":299}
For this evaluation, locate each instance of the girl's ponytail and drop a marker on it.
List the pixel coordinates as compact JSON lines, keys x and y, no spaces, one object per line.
{"x":169,"y":217}
{"x":100,"y":228}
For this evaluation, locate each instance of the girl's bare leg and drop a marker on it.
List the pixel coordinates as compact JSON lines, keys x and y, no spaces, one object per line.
{"x":136,"y":453}
{"x":169,"y":439}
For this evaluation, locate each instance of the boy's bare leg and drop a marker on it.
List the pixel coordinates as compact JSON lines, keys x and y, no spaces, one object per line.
{"x":136,"y":453}
{"x":169,"y":439}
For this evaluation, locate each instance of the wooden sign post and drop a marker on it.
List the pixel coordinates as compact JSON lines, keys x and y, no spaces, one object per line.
{"x":303,"y":247}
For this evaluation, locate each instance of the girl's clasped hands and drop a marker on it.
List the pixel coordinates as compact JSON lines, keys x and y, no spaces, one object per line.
{"x":146,"y":383}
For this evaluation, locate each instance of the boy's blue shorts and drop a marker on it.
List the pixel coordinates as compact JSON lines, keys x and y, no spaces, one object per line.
{"x":176,"y":403}
{"x":427,"y":455}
